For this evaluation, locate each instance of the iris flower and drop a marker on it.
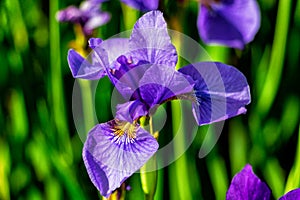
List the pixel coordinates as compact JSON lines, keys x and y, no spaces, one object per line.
{"x":142,"y":5}
{"x":232,"y":23}
{"x":88,"y":15}
{"x":142,"y":68}
{"x":245,"y":185}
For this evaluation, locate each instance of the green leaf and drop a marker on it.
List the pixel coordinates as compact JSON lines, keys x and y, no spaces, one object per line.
{"x":18,"y":114}
{"x":4,"y":170}
{"x":269,"y":91}
{"x":274,"y":177}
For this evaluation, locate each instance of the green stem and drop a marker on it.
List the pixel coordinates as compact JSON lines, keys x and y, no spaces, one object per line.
{"x":87,"y":102}
{"x":89,"y":118}
{"x":151,"y":125}
{"x":56,"y":92}
{"x":180,"y":179}
{"x":148,"y":176}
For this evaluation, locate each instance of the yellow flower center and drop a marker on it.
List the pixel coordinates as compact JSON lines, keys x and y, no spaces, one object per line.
{"x":124,"y":129}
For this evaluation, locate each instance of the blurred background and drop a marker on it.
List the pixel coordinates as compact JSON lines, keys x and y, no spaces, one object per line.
{"x":40,"y":150}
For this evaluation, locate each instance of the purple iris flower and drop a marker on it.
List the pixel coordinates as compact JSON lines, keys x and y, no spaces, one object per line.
{"x":142,"y":5}
{"x":142,"y":68}
{"x":88,"y":15}
{"x":232,"y":23}
{"x":245,"y":185}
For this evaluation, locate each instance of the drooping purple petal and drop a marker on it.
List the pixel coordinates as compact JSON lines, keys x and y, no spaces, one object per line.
{"x":161,"y":83}
{"x":245,"y":185}
{"x":291,"y":195}
{"x":151,"y":42}
{"x":84,"y":69}
{"x":221,"y":91}
{"x":101,"y":60}
{"x":111,"y":158}
{"x":131,"y":110}
{"x":231,"y":24}
{"x":142,"y":5}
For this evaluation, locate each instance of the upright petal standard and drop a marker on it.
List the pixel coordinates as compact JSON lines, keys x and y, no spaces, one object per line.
{"x":151,"y":42}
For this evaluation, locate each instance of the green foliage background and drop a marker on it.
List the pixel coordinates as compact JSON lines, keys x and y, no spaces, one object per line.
{"x":40,"y":150}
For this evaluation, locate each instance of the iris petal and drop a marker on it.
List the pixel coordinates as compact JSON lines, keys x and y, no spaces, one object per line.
{"x":126,"y":79}
{"x":232,"y":24}
{"x":94,"y":42}
{"x":82,"y":68}
{"x":89,"y":15}
{"x":110,"y":160}
{"x":221,"y":91}
{"x":131,"y":110}
{"x":291,"y":195}
{"x":162,"y":83}
{"x":142,"y":5}
{"x":151,"y":42}
{"x":96,"y":20}
{"x":70,"y":14}
{"x":245,"y":185}
{"x":115,"y":47}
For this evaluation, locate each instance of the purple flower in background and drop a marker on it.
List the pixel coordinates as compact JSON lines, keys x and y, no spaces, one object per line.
{"x":245,"y":185}
{"x":291,"y":195}
{"x":142,"y":68}
{"x":232,"y":23}
{"x":88,"y":15}
{"x":142,"y":5}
